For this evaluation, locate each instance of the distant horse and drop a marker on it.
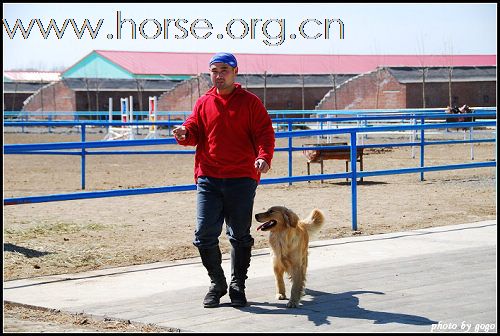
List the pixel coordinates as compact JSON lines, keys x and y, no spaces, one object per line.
{"x":462,"y":110}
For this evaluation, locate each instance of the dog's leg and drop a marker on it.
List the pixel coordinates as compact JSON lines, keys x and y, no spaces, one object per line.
{"x":280,"y":283}
{"x":298,"y":284}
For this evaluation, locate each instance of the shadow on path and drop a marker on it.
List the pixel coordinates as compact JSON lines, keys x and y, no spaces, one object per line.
{"x":27,"y":252}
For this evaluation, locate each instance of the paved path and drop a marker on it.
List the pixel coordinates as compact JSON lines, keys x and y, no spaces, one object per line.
{"x":435,"y":279}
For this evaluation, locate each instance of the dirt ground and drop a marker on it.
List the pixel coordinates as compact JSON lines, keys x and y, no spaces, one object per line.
{"x":81,"y":235}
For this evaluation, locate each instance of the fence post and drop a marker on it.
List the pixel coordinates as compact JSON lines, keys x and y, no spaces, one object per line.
{"x":471,"y":144}
{"x":422,"y":148}
{"x":23,"y":118}
{"x":110,"y":113}
{"x":83,"y":156}
{"x":354,"y":182}
{"x":49,"y":119}
{"x":413,"y":135}
{"x":169,"y":127}
{"x":290,"y":153}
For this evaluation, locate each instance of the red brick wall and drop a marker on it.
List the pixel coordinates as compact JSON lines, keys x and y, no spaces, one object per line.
{"x":437,"y":94}
{"x":183,"y":96}
{"x":14,"y":101}
{"x":369,"y":91}
{"x":374,"y":90}
{"x":290,"y":98}
{"x":362,"y":93}
{"x":54,"y":97}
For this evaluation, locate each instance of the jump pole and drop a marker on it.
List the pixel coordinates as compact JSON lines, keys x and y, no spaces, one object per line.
{"x":115,"y":133}
{"x":124,"y":110}
{"x":110,"y":112}
{"x":128,"y":112}
{"x":152,"y":117}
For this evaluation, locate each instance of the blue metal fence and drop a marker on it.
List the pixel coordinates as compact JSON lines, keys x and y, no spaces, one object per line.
{"x":82,"y":149}
{"x":104,"y":115}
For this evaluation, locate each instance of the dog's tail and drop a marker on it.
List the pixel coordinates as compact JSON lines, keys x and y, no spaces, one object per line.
{"x":314,"y":221}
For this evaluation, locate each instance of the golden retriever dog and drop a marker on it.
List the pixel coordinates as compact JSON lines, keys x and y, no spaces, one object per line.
{"x":289,"y":240}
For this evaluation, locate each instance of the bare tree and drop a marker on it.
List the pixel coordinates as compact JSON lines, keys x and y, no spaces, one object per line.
{"x":190,"y":82}
{"x":86,"y":81}
{"x":378,"y":75}
{"x":450,"y":72}
{"x":424,"y":73}
{"x":423,"y":68}
{"x":378,"y":88}
{"x":41,"y":94}
{"x":140,"y":83}
{"x":98,"y":83}
{"x":333,"y":77}
{"x":303,"y":95}
{"x":265,"y":88}
{"x":198,"y":83}
{"x":14,"y":97}
{"x":54,"y":96}
{"x":450,"y":75}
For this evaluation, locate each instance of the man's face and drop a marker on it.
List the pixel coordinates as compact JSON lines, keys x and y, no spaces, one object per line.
{"x":223,"y":75}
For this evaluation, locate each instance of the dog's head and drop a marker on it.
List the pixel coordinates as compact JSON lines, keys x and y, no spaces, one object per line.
{"x":277,"y":218}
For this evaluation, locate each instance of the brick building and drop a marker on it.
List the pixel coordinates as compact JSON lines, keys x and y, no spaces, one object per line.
{"x":20,"y":85}
{"x":92,"y":95}
{"x":405,"y":87}
{"x":283,"y":82}
{"x":277,"y":92}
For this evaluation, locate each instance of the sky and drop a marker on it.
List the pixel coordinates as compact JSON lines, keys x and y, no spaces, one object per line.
{"x":268,"y":28}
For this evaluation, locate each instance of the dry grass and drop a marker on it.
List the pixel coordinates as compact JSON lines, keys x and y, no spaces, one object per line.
{"x":81,"y":235}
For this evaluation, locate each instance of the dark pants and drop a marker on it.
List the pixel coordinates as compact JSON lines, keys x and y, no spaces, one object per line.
{"x":230,"y":200}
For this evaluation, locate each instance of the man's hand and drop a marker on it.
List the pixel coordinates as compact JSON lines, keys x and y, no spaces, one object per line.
{"x":180,"y":132}
{"x":261,"y":165}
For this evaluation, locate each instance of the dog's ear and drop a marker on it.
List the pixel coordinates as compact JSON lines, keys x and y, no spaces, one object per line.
{"x":291,"y":219}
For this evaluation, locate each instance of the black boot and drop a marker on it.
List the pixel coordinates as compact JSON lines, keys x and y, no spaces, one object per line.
{"x":212,"y":260}
{"x":240,"y":261}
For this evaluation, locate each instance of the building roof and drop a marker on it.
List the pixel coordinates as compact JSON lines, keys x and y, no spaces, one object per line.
{"x":22,"y":87}
{"x":442,"y":74}
{"x":83,"y":84}
{"x":178,"y":63}
{"x":32,"y":76}
{"x":277,"y":81}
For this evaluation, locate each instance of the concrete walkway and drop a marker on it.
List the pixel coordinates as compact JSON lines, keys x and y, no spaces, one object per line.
{"x":435,"y":279}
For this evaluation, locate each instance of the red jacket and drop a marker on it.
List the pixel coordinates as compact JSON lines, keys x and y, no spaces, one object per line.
{"x":230,"y":133}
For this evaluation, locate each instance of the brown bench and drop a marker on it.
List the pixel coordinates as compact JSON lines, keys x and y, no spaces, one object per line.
{"x":319,"y":155}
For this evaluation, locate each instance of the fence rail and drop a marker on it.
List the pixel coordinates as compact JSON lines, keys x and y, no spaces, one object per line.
{"x":103,"y":115}
{"x":82,"y":149}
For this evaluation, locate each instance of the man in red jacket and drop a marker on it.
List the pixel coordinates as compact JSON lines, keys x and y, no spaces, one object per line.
{"x":234,"y":140}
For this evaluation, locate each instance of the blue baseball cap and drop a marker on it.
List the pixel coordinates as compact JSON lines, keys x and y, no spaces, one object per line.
{"x":223,"y":57}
